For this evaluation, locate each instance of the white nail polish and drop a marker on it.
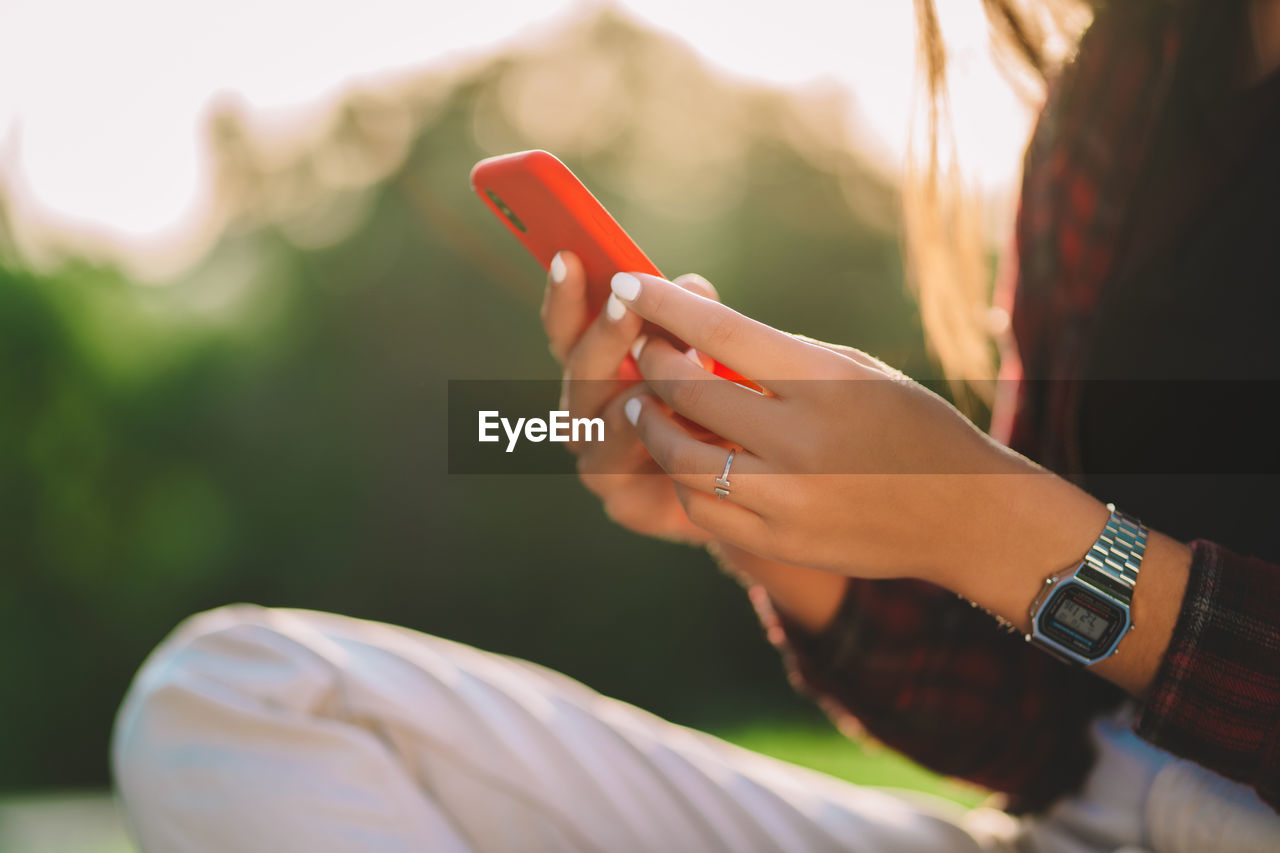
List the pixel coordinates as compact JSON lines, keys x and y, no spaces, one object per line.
{"x":614,"y":309}
{"x":625,"y":286}
{"x":632,"y":410}
{"x":558,"y":269}
{"x":637,"y":346}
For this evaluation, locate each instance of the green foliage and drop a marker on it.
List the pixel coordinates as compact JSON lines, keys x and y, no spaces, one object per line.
{"x":271,"y":427}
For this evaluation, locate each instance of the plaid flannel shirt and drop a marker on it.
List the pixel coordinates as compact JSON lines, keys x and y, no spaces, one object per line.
{"x":932,"y":676}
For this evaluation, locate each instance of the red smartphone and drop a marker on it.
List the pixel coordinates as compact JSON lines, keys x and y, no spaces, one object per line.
{"x":548,"y":209}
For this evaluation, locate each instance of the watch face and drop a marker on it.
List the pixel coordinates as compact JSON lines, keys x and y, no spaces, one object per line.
{"x":1082,"y":621}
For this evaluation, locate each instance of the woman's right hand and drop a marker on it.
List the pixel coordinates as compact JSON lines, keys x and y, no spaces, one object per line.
{"x":635,"y":491}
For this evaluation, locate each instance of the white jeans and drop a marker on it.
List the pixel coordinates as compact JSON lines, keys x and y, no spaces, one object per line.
{"x":282,"y":730}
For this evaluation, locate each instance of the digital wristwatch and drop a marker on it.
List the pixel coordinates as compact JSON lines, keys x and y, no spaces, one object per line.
{"x":1082,"y":612}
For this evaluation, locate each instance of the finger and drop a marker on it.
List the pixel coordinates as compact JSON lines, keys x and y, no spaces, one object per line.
{"x":592,"y":373}
{"x":725,"y":520}
{"x":646,"y":505}
{"x":856,"y":355}
{"x":621,"y":451}
{"x":724,"y":407}
{"x":600,"y":352}
{"x":749,"y":347}
{"x":601,"y":473}
{"x":696,"y":464}
{"x":695,"y":283}
{"x":564,"y":304}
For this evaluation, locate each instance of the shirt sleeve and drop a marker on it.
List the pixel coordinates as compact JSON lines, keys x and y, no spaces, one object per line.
{"x":1216,"y":696}
{"x":939,"y":680}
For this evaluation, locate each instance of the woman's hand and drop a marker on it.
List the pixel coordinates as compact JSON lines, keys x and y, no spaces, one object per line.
{"x":593,"y":351}
{"x":845,"y":465}
{"x":635,"y":491}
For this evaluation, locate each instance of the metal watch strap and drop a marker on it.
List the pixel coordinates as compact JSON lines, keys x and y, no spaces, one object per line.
{"x":1112,"y":562}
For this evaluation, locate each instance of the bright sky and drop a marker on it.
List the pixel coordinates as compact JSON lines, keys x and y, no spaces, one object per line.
{"x":101,"y":103}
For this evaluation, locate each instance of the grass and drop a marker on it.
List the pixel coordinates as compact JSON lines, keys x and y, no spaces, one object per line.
{"x":819,"y":746}
{"x":62,"y":822}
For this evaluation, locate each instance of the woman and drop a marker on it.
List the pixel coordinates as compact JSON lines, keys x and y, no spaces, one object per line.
{"x":857,"y":506}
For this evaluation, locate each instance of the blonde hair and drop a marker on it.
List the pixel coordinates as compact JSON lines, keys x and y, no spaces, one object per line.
{"x":945,"y":249}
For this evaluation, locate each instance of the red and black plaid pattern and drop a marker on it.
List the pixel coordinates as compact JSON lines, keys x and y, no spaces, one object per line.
{"x":940,"y":680}
{"x":1216,"y":699}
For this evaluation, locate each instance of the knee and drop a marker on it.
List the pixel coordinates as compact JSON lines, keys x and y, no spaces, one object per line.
{"x":190,"y":668}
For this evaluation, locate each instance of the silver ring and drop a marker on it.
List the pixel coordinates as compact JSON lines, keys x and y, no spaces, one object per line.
{"x":722,"y":482}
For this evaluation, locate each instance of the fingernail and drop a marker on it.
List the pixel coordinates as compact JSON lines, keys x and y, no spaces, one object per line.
{"x":632,"y":410}
{"x":625,"y":286}
{"x":692,"y":355}
{"x":638,"y":346}
{"x":558,"y":269}
{"x":614,"y":308}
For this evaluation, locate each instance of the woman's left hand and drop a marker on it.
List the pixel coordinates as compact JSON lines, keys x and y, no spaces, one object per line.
{"x":844,"y":464}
